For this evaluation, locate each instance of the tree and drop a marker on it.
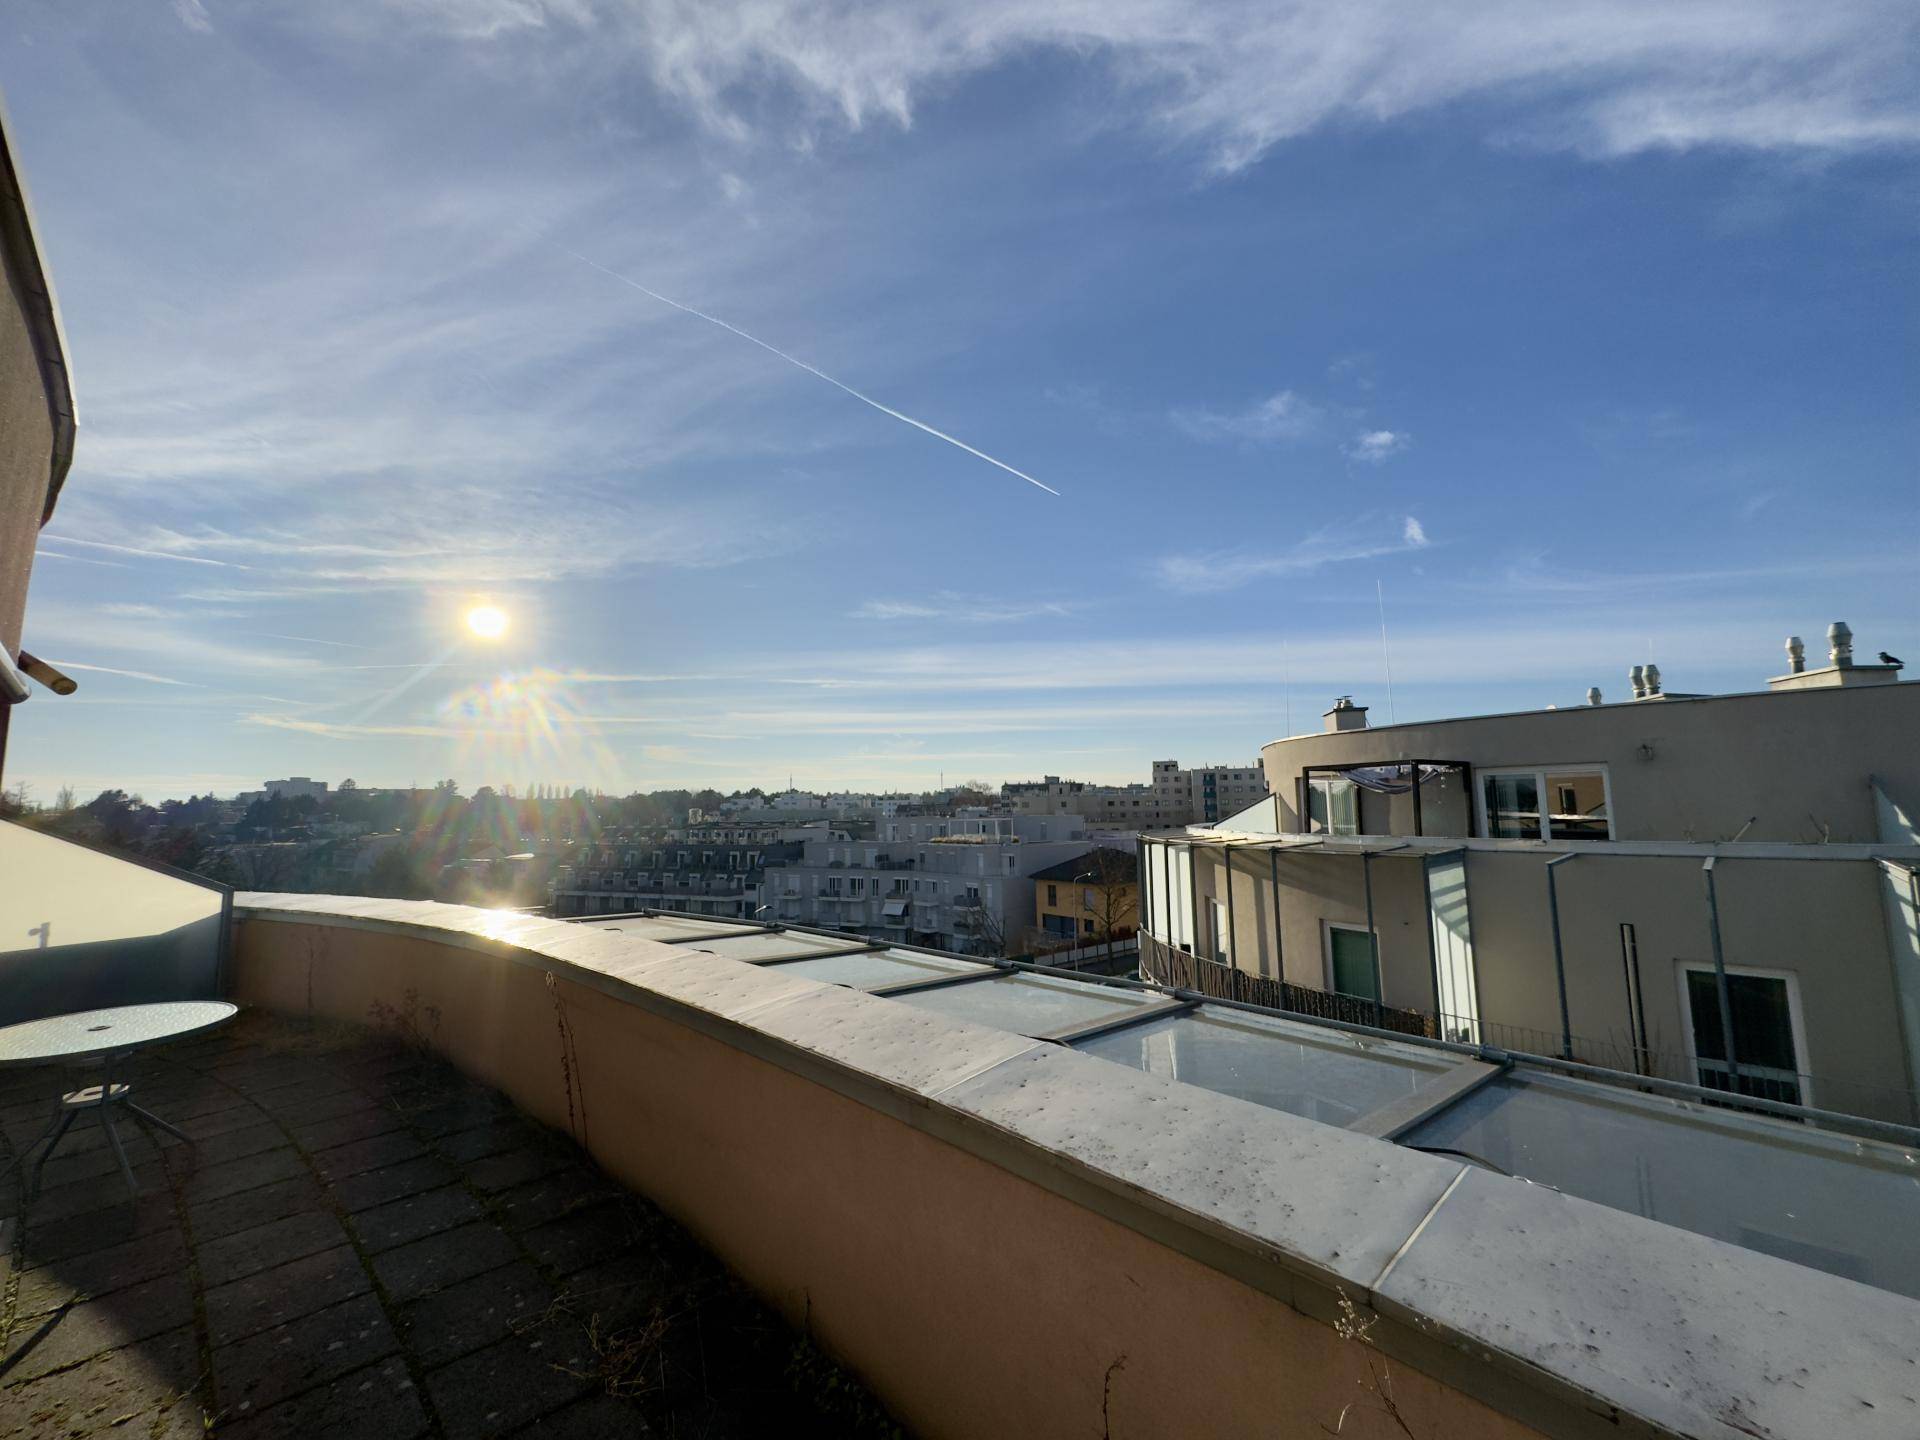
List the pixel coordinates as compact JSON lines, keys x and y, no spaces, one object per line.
{"x":397,"y":875}
{"x":63,"y":799}
{"x":1115,"y":901}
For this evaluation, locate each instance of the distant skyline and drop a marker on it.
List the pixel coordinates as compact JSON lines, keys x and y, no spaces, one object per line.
{"x":1581,"y":335}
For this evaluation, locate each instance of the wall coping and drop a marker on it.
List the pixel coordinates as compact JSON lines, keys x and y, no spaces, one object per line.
{"x":1566,"y":1315}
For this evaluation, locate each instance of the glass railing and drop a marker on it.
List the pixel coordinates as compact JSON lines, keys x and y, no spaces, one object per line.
{"x":83,"y":929}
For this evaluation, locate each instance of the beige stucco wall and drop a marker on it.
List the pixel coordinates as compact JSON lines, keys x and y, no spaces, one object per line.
{"x":973,"y":1301}
{"x":1820,"y":921}
{"x":26,"y":454}
{"x":1794,"y":762}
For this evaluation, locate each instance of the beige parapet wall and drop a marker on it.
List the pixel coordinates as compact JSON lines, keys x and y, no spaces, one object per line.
{"x":1005,"y":1238}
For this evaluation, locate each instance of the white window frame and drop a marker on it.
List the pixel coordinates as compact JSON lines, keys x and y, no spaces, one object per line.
{"x":1796,"y":1018}
{"x":1327,"y":927}
{"x":1539,"y":775}
{"x":1221,"y":931}
{"x":1324,"y":784}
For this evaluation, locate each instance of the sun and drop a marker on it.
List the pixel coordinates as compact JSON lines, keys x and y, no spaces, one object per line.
{"x":489,"y":622}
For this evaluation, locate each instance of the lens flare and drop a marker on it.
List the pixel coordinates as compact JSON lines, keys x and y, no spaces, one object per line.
{"x":489,"y":622}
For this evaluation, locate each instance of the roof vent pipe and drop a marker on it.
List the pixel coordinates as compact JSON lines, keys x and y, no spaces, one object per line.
{"x":1653,"y":680}
{"x":1593,"y":695}
{"x":1796,"y":655}
{"x":1840,"y":639}
{"x":1638,"y":678}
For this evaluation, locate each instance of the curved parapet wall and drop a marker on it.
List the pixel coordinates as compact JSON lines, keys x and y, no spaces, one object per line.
{"x":1005,"y":1237}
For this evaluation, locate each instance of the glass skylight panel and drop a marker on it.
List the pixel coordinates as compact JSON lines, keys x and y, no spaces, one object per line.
{"x":662,"y":927}
{"x":876,"y":967}
{"x":1827,"y":1201}
{"x":772,"y":946}
{"x":1318,"y":1074}
{"x":1030,"y":1004}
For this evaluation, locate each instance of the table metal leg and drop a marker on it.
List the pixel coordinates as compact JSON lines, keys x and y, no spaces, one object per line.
{"x":119,"y":1152}
{"x":153,"y":1119}
{"x":53,"y":1141}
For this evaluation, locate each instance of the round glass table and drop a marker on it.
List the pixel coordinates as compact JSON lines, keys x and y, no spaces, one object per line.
{"x":102,"y":1039}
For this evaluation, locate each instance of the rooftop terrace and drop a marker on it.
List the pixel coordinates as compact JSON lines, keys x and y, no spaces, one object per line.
{"x":369,"y":1244}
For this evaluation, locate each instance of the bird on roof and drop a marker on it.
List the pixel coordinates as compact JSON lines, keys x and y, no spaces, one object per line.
{"x":1886,"y":659}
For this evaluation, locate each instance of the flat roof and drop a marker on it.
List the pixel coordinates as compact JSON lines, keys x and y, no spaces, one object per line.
{"x":1831,"y":1201}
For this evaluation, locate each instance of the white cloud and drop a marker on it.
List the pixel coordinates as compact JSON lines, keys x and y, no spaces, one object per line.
{"x":1607,"y":77}
{"x":1376,"y":446}
{"x":971,"y":609}
{"x":1196,"y":573}
{"x":193,"y":15}
{"x":1284,"y":416}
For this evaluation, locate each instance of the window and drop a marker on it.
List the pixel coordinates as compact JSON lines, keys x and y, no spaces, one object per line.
{"x":1053,"y":894}
{"x":1352,"y":968}
{"x":1768,"y":1036}
{"x":1086,"y":898}
{"x":1086,"y":927}
{"x":1576,"y":805}
{"x":1333,"y":805}
{"x":1222,"y":942}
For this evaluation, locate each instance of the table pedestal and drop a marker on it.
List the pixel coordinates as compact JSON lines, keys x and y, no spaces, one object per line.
{"x":101,"y":1099}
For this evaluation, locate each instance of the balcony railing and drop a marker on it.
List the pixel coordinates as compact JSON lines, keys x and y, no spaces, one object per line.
{"x":1166,"y":965}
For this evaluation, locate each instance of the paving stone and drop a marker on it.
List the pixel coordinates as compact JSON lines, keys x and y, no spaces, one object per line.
{"x":464,"y":1112}
{"x":150,"y":1384}
{"x":65,"y":1337}
{"x":213,"y":1182}
{"x":267,"y":1368}
{"x":414,"y":1218}
{"x":238,"y":1144}
{"x":235,"y":1256}
{"x":286,"y":1292}
{"x":583,"y":1238}
{"x":493,"y":1138}
{"x":212,"y":1219}
{"x":475,"y":1313}
{"x":379,"y":1402}
{"x":51,"y":1240}
{"x":392,"y":1182}
{"x":309,"y":1108}
{"x":516,"y":1167}
{"x":100,"y":1272}
{"x":362,"y":1123}
{"x":242,"y":1114}
{"x":438,"y":1261}
{"x":598,"y":1417}
{"x":344,"y":1161}
{"x":56,"y":1202}
{"x":623,"y":1291}
{"x":501,"y":1388}
{"x":552,"y":1196}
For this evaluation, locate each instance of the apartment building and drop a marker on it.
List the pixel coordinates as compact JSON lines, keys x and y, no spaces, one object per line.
{"x":1173,"y":797}
{"x":1721,"y":889}
{"x":1092,"y":898}
{"x":687,"y":869}
{"x":956,"y":882}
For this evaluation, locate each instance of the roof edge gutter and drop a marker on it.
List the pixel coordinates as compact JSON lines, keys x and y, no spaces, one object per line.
{"x":20,"y":236}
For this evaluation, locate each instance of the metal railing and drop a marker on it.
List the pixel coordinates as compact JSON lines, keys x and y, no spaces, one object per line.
{"x":1165,"y":965}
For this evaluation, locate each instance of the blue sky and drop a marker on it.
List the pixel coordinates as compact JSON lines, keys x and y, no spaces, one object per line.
{"x":1583,"y":334}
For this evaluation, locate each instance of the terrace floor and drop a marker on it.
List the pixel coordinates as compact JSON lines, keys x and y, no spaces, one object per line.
{"x":368,"y":1244}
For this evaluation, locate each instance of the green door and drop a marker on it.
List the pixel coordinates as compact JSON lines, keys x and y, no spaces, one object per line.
{"x":1353,"y":969}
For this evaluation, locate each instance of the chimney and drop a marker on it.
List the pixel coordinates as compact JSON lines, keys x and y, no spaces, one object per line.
{"x":1593,"y":695}
{"x":1840,"y":638}
{"x":1796,"y":655}
{"x":1345,"y":715}
{"x":1637,"y":677}
{"x":1653,"y":680}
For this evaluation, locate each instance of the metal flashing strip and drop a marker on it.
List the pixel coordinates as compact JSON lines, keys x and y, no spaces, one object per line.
{"x":715,"y":935}
{"x":1393,"y":1119}
{"x":938,"y":982}
{"x":1073,"y":1034}
{"x":871,"y":945}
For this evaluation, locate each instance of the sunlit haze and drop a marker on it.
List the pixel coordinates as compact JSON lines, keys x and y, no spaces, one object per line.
{"x":1557,"y":338}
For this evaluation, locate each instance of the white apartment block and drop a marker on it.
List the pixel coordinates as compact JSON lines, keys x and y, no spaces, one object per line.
{"x":1174,"y":797}
{"x":959,"y":883}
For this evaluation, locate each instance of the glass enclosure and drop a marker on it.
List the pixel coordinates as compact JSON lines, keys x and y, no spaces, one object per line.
{"x":1313,"y":1073}
{"x":1030,"y":1004}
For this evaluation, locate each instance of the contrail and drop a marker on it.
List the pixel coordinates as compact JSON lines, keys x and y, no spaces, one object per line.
{"x":838,"y":385}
